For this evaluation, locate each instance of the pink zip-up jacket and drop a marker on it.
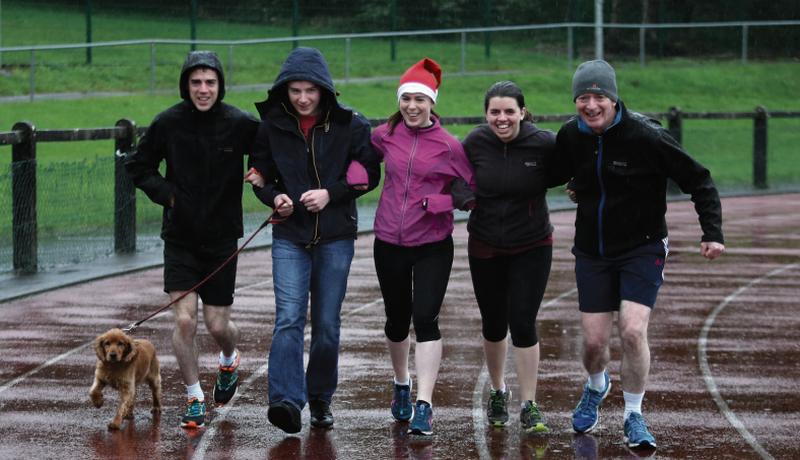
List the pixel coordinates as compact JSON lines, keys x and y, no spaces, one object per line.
{"x":415,"y":206}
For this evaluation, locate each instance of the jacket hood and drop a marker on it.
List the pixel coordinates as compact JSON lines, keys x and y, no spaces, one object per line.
{"x":197,"y":59}
{"x":302,"y":64}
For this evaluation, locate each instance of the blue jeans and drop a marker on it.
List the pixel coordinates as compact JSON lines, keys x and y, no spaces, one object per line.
{"x":297,"y":271}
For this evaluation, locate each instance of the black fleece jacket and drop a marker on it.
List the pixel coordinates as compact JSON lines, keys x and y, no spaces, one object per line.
{"x":511,"y":184}
{"x":620,"y":178}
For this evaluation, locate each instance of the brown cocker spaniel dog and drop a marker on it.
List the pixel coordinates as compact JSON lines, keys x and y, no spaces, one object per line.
{"x":124,"y":363}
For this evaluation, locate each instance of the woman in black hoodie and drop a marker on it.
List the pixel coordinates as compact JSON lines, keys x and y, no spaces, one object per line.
{"x":510,"y":244}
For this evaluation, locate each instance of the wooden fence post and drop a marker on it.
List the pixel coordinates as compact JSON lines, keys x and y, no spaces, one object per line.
{"x":124,"y":190}
{"x":675,"y":128}
{"x":760,"y":148}
{"x":23,"y":191}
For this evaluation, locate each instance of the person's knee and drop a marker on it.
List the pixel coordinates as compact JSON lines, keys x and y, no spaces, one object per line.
{"x":633,"y":337}
{"x":427,"y":331}
{"x":524,"y":338}
{"x":185,"y":325}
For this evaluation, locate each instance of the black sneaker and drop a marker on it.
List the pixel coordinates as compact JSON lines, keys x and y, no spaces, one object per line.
{"x":227,"y":382}
{"x":285,"y":416}
{"x":321,"y":416}
{"x":497,"y":408}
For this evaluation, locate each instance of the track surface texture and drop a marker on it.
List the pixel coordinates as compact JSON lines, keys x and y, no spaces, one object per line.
{"x":724,"y":337}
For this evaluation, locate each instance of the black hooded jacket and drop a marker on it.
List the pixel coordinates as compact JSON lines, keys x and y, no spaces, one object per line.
{"x":292,"y":164}
{"x":204,"y":155}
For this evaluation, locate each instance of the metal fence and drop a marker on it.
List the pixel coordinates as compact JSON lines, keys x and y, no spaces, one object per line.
{"x":24,"y":138}
{"x":741,"y":48}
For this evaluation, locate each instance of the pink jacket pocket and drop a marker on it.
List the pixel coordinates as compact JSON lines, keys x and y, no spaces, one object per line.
{"x":437,"y":204}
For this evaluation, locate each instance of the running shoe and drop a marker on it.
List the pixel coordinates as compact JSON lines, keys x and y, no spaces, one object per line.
{"x":532,"y":419}
{"x":637,"y":433}
{"x":586,"y":414}
{"x":195,"y":414}
{"x":402,"y":409}
{"x":422,"y":423}
{"x":497,"y":408}
{"x":227,"y":382}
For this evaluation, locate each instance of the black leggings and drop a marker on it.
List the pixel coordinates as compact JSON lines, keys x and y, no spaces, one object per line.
{"x":509,"y":290}
{"x":413,"y":282}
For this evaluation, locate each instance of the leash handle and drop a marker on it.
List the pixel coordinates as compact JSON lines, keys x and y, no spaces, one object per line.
{"x":273,"y":219}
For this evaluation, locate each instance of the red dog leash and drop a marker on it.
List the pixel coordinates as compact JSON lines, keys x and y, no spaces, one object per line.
{"x":273,"y":219}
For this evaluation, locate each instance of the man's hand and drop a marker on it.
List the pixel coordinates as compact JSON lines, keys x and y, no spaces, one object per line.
{"x":254,"y":177}
{"x":711,"y":250}
{"x":315,"y":200}
{"x":572,"y":195}
{"x":283,"y":205}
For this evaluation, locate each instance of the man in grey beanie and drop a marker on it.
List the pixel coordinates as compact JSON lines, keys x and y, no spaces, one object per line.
{"x":618,"y":163}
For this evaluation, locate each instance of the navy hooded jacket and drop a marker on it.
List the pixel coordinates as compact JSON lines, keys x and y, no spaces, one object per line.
{"x":292,"y":164}
{"x":204,"y":155}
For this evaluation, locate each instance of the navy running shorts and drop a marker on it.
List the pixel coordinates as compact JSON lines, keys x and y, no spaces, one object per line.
{"x":636,"y":276}
{"x":184,"y":267}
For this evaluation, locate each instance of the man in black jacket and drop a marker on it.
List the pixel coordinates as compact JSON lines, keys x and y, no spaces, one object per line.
{"x":619,"y":163}
{"x":203,"y":142}
{"x":304,"y":145}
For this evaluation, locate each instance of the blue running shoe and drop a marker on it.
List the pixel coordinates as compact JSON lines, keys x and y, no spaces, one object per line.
{"x":586,"y":413}
{"x":637,"y":434}
{"x":402,"y":409}
{"x":195,"y":414}
{"x":421,"y":424}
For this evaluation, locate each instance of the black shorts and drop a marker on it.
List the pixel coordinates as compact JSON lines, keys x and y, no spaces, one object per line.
{"x":636,"y":276}
{"x":184,"y":267}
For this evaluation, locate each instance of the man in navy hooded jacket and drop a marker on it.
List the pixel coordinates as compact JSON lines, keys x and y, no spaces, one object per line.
{"x":203,"y":141}
{"x":303,"y":148}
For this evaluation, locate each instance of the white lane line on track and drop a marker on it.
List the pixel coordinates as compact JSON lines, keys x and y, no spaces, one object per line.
{"x":706,"y":370}
{"x":478,"y":415}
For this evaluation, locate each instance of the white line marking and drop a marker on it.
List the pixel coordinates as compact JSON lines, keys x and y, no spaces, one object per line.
{"x":47,"y":363}
{"x":478,"y":415}
{"x":706,"y":370}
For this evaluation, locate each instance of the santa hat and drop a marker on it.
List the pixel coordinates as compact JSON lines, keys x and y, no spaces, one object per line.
{"x":423,"y":77}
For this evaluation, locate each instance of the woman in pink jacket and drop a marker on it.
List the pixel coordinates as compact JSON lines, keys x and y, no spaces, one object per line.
{"x":413,"y":242}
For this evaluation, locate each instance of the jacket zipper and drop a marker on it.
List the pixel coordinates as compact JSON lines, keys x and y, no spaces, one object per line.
{"x":505,"y":206}
{"x":406,"y":185}
{"x":310,"y":151}
{"x":601,"y":205}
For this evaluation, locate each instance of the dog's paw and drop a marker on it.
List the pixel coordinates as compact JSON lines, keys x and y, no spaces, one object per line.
{"x":97,"y":399}
{"x":155,"y":410}
{"x":113,"y":425}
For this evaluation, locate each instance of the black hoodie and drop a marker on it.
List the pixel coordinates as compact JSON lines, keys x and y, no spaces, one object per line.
{"x":204,"y":155}
{"x":292,"y":164}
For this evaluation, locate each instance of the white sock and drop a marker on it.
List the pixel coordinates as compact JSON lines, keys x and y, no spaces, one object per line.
{"x":194,"y":391}
{"x":501,"y":389}
{"x":597,"y":382}
{"x":633,"y":403}
{"x":406,"y":383}
{"x":227,"y":361}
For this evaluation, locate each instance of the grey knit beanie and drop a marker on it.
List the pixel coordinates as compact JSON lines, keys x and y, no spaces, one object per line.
{"x":595,"y":77}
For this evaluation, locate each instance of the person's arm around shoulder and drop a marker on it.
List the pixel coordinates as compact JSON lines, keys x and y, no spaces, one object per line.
{"x":362,"y":152}
{"x":262,"y":171}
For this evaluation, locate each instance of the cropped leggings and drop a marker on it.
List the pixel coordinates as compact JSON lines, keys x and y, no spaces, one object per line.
{"x":413,"y":282}
{"x":509,"y":290}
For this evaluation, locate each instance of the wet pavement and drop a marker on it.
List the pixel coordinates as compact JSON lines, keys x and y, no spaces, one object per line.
{"x":724,"y":380}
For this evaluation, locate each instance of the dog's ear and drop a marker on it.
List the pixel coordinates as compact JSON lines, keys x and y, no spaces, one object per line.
{"x":98,"y":347}
{"x":130,"y":349}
